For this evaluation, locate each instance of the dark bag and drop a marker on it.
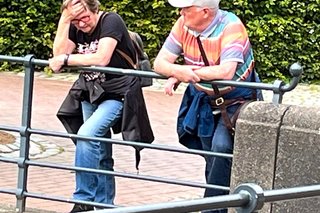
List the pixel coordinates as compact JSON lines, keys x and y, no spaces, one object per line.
{"x":142,"y":59}
{"x":143,"y":62}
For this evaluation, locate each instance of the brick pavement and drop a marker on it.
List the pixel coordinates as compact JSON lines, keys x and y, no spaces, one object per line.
{"x":48,"y":95}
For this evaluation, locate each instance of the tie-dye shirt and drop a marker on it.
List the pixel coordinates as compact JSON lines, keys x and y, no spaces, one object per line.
{"x":224,"y":40}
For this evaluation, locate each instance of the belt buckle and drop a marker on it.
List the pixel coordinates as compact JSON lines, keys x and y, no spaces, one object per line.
{"x":219,"y":101}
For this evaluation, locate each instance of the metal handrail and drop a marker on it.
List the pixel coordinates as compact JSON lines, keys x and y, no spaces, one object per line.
{"x":248,"y":197}
{"x":278,"y":87}
{"x":119,"y":142}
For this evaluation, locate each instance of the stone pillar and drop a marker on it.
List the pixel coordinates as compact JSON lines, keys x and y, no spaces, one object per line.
{"x":277,"y":146}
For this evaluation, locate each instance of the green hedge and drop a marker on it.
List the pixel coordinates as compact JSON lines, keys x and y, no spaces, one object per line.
{"x":27,"y":26}
{"x":282,"y":32}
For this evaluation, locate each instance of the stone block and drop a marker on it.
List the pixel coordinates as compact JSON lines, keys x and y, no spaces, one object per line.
{"x":276,"y":146}
{"x":298,"y":157}
{"x":255,"y":145}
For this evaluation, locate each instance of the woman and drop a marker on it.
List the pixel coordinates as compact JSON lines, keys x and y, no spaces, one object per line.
{"x":87,"y":36}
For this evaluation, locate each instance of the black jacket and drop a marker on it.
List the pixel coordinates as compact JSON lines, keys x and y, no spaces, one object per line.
{"x":134,"y":125}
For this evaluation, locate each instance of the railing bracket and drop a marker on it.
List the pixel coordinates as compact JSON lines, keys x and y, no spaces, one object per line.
{"x":256,"y":197}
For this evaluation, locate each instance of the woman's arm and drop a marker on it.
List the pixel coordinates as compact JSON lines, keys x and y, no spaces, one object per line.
{"x":101,"y":57}
{"x":62,"y":44}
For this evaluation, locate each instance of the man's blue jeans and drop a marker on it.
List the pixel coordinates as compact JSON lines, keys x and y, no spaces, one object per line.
{"x":218,"y":169}
{"x":98,"y":119}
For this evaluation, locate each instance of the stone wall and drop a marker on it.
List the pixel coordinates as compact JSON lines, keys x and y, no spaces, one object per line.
{"x":277,"y":146}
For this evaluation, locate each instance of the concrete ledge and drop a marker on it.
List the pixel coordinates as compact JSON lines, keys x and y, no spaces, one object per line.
{"x":298,"y":157}
{"x":276,"y":146}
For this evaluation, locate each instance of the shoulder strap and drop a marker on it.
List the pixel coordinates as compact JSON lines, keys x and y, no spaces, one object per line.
{"x":135,"y":47}
{"x":104,"y":13}
{"x":219,"y":100}
{"x":127,"y":58}
{"x":123,"y":54}
{"x":206,"y":62}
{"x":203,"y":53}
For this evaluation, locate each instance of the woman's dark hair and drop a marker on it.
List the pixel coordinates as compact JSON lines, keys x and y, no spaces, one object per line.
{"x":91,"y":5}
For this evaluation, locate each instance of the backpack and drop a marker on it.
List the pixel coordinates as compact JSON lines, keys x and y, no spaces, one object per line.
{"x":143,"y":62}
{"x":142,"y":59}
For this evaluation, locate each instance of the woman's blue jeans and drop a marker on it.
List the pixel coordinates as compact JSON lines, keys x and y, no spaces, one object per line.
{"x":98,"y":119}
{"x":218,"y":169}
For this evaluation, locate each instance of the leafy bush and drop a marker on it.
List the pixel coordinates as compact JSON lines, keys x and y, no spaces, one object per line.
{"x":282,"y":32}
{"x":27,"y":26}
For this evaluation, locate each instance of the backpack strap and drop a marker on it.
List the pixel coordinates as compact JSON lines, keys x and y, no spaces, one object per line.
{"x":123,"y":54}
{"x":127,"y":58}
{"x":136,"y":46}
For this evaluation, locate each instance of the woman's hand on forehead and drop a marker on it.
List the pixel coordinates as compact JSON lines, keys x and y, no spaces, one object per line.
{"x":74,"y":2}
{"x":77,"y":8}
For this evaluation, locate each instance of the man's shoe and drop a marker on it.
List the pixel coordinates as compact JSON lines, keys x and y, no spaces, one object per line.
{"x":81,"y":208}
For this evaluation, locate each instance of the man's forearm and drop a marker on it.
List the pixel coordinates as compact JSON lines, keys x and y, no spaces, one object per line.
{"x":164,"y":67}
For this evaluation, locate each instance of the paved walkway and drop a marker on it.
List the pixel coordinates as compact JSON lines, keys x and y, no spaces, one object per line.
{"x":48,"y":95}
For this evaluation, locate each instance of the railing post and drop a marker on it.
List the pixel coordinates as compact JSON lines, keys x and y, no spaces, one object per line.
{"x":24,"y":133}
{"x":279,"y":87}
{"x":277,"y":93}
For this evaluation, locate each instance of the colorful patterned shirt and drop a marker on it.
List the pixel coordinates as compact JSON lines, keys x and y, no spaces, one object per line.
{"x":224,"y":40}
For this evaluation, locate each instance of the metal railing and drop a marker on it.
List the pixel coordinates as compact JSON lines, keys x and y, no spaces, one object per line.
{"x":247,"y":197}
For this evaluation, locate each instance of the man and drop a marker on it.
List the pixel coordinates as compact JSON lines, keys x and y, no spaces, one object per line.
{"x":226,"y":55}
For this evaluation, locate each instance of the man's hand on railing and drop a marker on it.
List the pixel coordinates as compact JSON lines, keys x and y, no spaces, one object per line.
{"x":171,"y":85}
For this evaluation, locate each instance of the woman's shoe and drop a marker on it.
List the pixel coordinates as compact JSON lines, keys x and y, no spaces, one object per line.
{"x":81,"y":208}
